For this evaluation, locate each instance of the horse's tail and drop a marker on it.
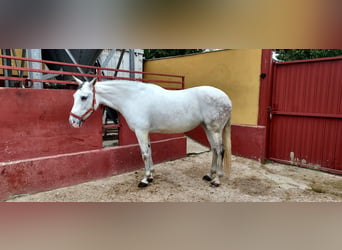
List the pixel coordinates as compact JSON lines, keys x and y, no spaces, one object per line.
{"x":227,"y":157}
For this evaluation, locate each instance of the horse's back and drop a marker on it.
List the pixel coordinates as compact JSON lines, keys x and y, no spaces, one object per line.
{"x":212,"y":97}
{"x":210,"y":91}
{"x":215,"y":106}
{"x":166,"y":111}
{"x":201,"y":93}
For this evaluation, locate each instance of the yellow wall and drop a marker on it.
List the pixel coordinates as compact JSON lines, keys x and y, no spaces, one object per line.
{"x":234,"y":71}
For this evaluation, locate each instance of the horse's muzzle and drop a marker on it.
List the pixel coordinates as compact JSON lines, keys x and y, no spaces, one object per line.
{"x":74,"y":122}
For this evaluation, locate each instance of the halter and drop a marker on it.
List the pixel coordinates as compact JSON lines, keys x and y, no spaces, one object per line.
{"x":90,"y":110}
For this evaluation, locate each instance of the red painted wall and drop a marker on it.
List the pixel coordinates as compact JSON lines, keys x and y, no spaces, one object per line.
{"x":34,"y":123}
{"x":265,"y":95}
{"x":46,"y":173}
{"x":249,"y":141}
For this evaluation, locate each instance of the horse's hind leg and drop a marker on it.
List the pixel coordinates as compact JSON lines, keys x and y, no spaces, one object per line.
{"x":219,"y":152}
{"x":215,"y":140}
{"x":145,"y":147}
{"x":209,"y":176}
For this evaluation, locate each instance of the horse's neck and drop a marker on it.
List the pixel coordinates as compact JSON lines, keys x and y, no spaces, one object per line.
{"x":115,"y":95}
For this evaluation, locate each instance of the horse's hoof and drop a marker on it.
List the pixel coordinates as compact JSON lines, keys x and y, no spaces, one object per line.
{"x":150,"y":180}
{"x":142,"y":184}
{"x":206,"y":178}
{"x":214,"y":184}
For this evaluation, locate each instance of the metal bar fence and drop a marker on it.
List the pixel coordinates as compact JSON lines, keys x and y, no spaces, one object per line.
{"x":177,"y":81}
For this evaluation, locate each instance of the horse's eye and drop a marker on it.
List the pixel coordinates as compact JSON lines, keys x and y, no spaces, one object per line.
{"x":83,"y":98}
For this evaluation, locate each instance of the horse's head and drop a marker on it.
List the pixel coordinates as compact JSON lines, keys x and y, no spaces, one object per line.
{"x":84,"y":103}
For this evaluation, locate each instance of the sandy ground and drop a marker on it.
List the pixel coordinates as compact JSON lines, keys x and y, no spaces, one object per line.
{"x":181,"y":181}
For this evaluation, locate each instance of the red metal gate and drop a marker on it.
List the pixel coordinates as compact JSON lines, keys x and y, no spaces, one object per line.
{"x":306,"y":114}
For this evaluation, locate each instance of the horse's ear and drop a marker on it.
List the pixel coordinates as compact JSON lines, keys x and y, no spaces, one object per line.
{"x":92,"y":82}
{"x":77,"y":80}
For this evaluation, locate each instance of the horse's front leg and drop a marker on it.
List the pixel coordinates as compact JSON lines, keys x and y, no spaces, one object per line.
{"x":145,"y":147}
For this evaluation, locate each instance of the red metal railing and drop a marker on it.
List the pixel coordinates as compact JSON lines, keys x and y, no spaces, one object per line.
{"x":176,"y":81}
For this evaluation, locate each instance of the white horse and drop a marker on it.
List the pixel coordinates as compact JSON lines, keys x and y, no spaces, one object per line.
{"x":149,"y":108}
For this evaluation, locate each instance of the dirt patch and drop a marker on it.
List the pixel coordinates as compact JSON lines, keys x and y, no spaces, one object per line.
{"x":327,"y":187}
{"x":253,"y":186}
{"x":181,"y":181}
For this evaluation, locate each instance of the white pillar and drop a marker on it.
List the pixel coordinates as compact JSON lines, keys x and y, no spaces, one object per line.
{"x":35,"y":54}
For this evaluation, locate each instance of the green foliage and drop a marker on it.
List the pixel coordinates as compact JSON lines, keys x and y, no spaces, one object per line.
{"x":301,"y":54}
{"x":283,"y":54}
{"x":158,"y":53}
